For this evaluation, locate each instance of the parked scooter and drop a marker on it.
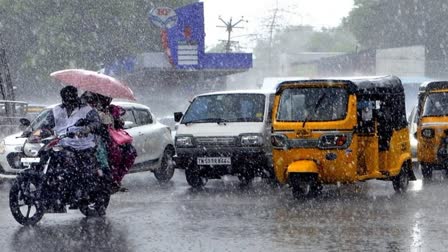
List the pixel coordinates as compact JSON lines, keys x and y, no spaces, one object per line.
{"x":54,"y":178}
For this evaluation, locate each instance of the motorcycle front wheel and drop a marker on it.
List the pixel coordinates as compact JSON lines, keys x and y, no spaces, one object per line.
{"x":24,"y":201}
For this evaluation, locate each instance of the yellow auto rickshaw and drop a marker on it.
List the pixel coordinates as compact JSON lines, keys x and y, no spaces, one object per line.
{"x":432,"y":127}
{"x":331,"y":131}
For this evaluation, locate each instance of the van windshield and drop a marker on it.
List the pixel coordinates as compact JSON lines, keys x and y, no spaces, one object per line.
{"x":226,"y":108}
{"x":436,"y":104}
{"x":313,"y":104}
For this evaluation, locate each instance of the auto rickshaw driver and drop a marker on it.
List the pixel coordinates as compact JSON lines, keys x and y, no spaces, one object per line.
{"x":364,"y":137}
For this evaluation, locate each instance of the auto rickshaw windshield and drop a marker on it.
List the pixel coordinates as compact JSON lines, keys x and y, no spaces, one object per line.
{"x":313,"y":104}
{"x":436,"y":104}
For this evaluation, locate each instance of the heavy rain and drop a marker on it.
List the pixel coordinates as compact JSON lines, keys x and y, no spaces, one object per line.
{"x":187,"y":125}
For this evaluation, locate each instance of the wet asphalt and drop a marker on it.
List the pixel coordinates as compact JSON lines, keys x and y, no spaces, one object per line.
{"x":225,"y":216}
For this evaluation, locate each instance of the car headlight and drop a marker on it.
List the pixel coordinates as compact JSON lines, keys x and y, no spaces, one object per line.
{"x":2,"y":147}
{"x":428,"y":133}
{"x":251,"y":139}
{"x":184,"y":141}
{"x":279,"y":141}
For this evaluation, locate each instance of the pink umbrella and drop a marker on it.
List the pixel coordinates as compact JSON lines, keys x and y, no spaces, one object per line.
{"x":94,"y":82}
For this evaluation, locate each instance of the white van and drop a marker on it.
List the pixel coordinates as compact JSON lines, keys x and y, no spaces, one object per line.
{"x":225,"y":133}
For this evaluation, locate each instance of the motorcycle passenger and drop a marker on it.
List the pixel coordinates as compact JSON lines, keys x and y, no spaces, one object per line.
{"x":120,"y":157}
{"x":79,"y":158}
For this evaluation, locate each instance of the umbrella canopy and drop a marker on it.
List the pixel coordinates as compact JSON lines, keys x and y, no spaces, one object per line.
{"x":94,"y":82}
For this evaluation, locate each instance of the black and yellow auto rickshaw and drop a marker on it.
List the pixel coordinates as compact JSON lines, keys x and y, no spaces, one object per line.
{"x":432,"y":127}
{"x":329,"y":131}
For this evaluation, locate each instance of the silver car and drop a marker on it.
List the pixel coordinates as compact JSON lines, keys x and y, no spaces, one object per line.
{"x":152,"y":140}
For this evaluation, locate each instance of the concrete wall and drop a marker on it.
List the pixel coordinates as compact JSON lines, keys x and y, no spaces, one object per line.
{"x":403,"y":61}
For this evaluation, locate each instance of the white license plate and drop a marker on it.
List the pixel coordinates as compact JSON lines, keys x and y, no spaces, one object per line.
{"x":214,"y":161}
{"x":28,"y":161}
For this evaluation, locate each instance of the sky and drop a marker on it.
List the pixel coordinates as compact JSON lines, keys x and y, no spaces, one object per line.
{"x":317,"y":13}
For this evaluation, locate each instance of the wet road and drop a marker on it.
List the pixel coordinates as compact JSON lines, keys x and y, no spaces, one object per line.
{"x":226,"y":217}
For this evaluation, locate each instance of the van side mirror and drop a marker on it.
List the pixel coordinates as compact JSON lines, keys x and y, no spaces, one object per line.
{"x":178,"y":116}
{"x":24,"y":122}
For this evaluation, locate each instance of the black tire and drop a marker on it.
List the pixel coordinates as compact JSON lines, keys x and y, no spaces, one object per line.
{"x":246,"y":177}
{"x":96,"y":207}
{"x":304,"y":185}
{"x":194,"y":177}
{"x":401,"y":181}
{"x":25,"y":193}
{"x":166,"y":170}
{"x":426,"y":172}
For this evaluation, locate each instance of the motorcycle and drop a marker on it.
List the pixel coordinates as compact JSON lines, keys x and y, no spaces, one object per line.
{"x":55,"y":177}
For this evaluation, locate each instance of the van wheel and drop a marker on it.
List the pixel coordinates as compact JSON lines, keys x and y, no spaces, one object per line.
{"x":166,"y":170}
{"x":194,"y":177}
{"x":401,"y":181}
{"x":426,"y":172}
{"x":246,"y":177}
{"x":304,"y":186}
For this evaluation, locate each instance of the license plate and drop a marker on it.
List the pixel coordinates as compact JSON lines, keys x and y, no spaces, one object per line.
{"x":214,"y":161}
{"x":28,"y":161}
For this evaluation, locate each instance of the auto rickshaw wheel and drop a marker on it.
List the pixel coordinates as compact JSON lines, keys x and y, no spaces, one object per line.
{"x":401,"y":181}
{"x":304,"y":185}
{"x":426,"y":172}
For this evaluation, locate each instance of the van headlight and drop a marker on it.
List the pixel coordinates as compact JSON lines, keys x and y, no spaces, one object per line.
{"x":279,"y":141}
{"x":251,"y":139}
{"x":2,"y":147}
{"x":184,"y":141}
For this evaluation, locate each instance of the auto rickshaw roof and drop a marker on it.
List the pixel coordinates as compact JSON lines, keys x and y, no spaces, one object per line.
{"x":365,"y":85}
{"x":433,"y":85}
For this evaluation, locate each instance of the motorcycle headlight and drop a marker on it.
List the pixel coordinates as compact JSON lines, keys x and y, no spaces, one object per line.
{"x":251,"y":139}
{"x":428,"y":133}
{"x":32,"y":149}
{"x":2,"y":147}
{"x":184,"y":141}
{"x":279,"y":141}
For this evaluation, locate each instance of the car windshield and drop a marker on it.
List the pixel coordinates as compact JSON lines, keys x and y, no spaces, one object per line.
{"x":313,"y":104}
{"x":226,"y":108}
{"x":40,"y":121}
{"x":436,"y":104}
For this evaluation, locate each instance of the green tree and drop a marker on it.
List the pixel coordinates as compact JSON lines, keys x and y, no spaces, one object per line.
{"x":332,"y":40}
{"x":384,"y":24}
{"x":48,"y":35}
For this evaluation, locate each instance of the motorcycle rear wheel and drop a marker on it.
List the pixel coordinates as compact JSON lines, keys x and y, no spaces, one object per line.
{"x":24,"y":195}
{"x":96,"y":207}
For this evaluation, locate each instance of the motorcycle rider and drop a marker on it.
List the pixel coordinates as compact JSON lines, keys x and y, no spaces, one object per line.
{"x":74,"y":116}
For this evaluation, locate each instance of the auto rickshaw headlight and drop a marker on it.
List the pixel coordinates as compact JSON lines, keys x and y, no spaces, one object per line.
{"x":251,"y":139}
{"x":279,"y":141}
{"x":333,"y":141}
{"x":428,"y":133}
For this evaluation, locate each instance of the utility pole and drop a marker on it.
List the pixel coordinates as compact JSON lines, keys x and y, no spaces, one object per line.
{"x":229,"y":25}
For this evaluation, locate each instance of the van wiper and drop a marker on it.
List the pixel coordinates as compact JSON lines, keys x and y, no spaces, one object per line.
{"x":217,"y":120}
{"x":318,"y":103}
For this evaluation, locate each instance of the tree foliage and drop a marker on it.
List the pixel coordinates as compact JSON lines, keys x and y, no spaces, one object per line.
{"x":385,"y":24}
{"x":47,"y":35}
